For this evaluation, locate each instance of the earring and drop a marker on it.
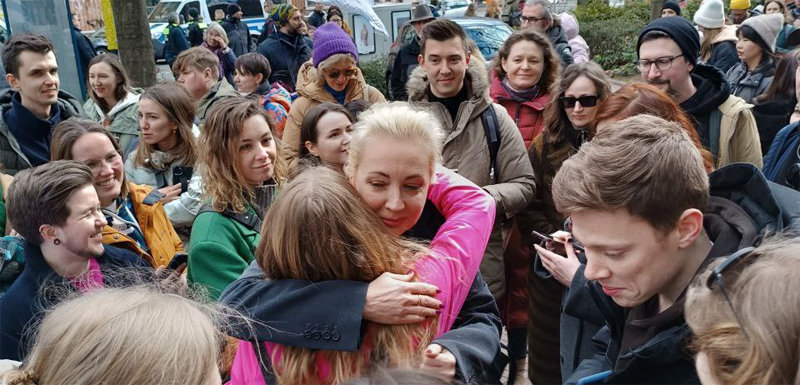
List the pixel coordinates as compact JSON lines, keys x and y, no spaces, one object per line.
{"x":56,"y":241}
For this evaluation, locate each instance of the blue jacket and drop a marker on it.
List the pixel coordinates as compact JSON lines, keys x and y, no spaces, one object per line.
{"x":285,"y":55}
{"x":175,"y":42}
{"x":783,"y":154}
{"x":24,"y":303}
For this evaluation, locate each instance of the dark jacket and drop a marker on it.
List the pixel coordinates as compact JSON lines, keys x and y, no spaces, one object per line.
{"x":560,"y":44}
{"x":771,"y":117}
{"x":238,"y":35}
{"x":175,"y":42}
{"x":196,"y":30}
{"x":316,"y":19}
{"x":85,"y":50}
{"x":749,"y":84}
{"x":404,"y":63}
{"x":280,"y":308}
{"x":12,"y":156}
{"x":285,"y":55}
{"x":25,"y":301}
{"x":723,"y":55}
{"x":743,"y":206}
{"x":782,"y":157}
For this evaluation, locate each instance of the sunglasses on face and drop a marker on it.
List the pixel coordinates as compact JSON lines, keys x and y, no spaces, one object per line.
{"x":716,"y":278}
{"x":347,"y":73}
{"x":586,"y":101}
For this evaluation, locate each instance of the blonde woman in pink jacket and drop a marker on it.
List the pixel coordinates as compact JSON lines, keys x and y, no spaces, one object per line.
{"x":356,"y":221}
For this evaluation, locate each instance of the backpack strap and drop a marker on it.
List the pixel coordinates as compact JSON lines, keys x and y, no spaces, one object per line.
{"x":714,"y":121}
{"x":251,"y":221}
{"x":489,"y":120}
{"x":264,"y":363}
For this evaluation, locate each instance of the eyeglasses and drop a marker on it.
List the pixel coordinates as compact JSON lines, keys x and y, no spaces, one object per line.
{"x":336,"y":73}
{"x":716,"y":278}
{"x":663,"y":63}
{"x":335,"y":20}
{"x":527,"y":19}
{"x":585,"y":101}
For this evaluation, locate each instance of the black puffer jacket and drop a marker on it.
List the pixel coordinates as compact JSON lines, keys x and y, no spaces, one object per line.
{"x":560,"y":44}
{"x":404,"y":63}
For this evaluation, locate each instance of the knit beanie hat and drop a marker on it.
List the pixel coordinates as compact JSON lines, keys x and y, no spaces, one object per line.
{"x":767,"y":27}
{"x":711,"y":14}
{"x":233,"y":8}
{"x":673,"y":6}
{"x":740,"y":4}
{"x":282,"y":12}
{"x":330,"y":39}
{"x":680,"y":30}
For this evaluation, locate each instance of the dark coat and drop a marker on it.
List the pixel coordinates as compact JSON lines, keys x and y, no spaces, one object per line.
{"x":723,"y":55}
{"x":749,"y":84}
{"x":560,"y":44}
{"x":281,"y":305}
{"x":175,"y":42}
{"x":771,"y":117}
{"x":238,"y":35}
{"x":404,"y":63}
{"x":85,"y":50}
{"x":285,"y":55}
{"x":316,"y":19}
{"x":25,"y":301}
{"x":196,"y":30}
{"x":743,"y":206}
{"x":783,"y":155}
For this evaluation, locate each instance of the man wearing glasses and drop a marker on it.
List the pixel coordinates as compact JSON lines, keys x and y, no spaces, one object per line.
{"x":649,"y":220}
{"x":537,"y":17}
{"x":668,"y":50}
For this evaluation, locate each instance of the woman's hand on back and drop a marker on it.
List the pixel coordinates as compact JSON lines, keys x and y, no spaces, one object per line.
{"x":393,"y":299}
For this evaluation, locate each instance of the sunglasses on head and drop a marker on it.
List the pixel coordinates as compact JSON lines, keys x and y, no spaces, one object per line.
{"x":586,"y":101}
{"x":336,"y":73}
{"x":716,"y":278}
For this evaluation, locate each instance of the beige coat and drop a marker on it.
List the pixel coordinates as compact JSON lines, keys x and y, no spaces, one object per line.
{"x":738,"y":134}
{"x":312,"y":93}
{"x":466,"y":151}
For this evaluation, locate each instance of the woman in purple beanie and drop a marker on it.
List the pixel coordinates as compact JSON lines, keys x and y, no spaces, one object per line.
{"x":332,"y":75}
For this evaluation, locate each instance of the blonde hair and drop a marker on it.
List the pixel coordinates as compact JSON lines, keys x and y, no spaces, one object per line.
{"x":350,"y":243}
{"x":763,"y":289}
{"x":709,"y":35}
{"x":135,"y":335}
{"x":644,"y":164}
{"x":399,"y":121}
{"x":223,"y":180}
{"x":333,"y":60}
{"x":197,"y":58}
{"x":219,"y":30}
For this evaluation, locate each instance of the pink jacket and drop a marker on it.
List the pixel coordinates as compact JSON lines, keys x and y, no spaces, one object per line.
{"x":456,"y":253}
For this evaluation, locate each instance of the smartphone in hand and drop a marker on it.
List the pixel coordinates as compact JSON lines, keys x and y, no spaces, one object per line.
{"x":177,"y":260}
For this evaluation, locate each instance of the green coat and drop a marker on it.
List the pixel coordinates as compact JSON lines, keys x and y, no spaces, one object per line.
{"x":220,"y":90}
{"x":124,"y":122}
{"x":220,"y":249}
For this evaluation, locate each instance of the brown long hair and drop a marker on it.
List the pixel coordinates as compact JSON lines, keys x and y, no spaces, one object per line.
{"x":642,"y":98}
{"x":709,"y":34}
{"x":219,"y":143}
{"x":782,"y":86}
{"x":179,"y":107}
{"x":67,"y":132}
{"x":123,"y":85}
{"x":308,"y":130}
{"x":350,"y":243}
{"x":552,"y":64}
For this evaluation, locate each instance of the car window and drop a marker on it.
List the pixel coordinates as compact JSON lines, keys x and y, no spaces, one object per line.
{"x":488,"y":38}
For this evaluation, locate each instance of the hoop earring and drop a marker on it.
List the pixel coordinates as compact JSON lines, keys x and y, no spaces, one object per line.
{"x":56,"y":241}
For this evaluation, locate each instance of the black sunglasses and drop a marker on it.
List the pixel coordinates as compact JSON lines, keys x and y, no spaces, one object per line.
{"x":716,"y":278}
{"x":586,"y":101}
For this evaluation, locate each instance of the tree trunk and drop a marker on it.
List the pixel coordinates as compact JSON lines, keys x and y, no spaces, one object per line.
{"x":655,"y":9}
{"x":133,"y":39}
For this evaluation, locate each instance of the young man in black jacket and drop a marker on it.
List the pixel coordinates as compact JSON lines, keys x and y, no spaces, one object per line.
{"x":407,"y":57}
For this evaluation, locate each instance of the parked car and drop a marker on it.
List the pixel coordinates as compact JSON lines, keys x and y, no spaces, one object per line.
{"x":488,"y":34}
{"x":453,"y":8}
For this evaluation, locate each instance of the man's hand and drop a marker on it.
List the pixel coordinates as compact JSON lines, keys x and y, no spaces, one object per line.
{"x":439,"y":362}
{"x":393,"y":299}
{"x":563,"y":269}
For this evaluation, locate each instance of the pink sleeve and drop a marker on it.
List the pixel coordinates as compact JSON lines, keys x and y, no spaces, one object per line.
{"x":458,"y":247}
{"x":246,"y":369}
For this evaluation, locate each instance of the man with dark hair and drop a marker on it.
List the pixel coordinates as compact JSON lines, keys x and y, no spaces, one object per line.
{"x":483,"y":143}
{"x":238,"y":33}
{"x":285,"y":50}
{"x":668,"y":50}
{"x":197,"y":71}
{"x":56,"y":209}
{"x":536,"y":16}
{"x":33,"y":105}
{"x":406,"y":59}
{"x":649,"y":219}
{"x":196,"y":27}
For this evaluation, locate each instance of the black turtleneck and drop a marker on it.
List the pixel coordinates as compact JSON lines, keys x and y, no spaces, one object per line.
{"x":451,"y":103}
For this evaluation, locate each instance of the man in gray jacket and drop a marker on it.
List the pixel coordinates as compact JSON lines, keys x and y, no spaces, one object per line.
{"x":482,"y":142}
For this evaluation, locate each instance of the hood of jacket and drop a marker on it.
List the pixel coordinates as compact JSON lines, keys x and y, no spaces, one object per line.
{"x":308,"y":85}
{"x":131,"y":98}
{"x":712,"y":89}
{"x":476,"y":80}
{"x":570,"y":25}
{"x":728,"y":34}
{"x":499,"y":94}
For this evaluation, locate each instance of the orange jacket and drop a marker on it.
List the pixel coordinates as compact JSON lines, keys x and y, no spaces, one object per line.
{"x":161,"y":238}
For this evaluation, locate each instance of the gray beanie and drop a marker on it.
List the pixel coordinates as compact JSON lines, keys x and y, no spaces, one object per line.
{"x":767,"y":27}
{"x":711,"y":14}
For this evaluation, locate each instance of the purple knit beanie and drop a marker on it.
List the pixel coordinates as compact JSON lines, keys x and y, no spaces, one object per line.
{"x":330,"y":39}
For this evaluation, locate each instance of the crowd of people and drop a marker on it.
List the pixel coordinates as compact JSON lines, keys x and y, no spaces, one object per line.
{"x":270,"y":218}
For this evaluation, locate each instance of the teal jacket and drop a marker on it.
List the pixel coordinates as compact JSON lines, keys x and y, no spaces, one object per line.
{"x":221,"y":248}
